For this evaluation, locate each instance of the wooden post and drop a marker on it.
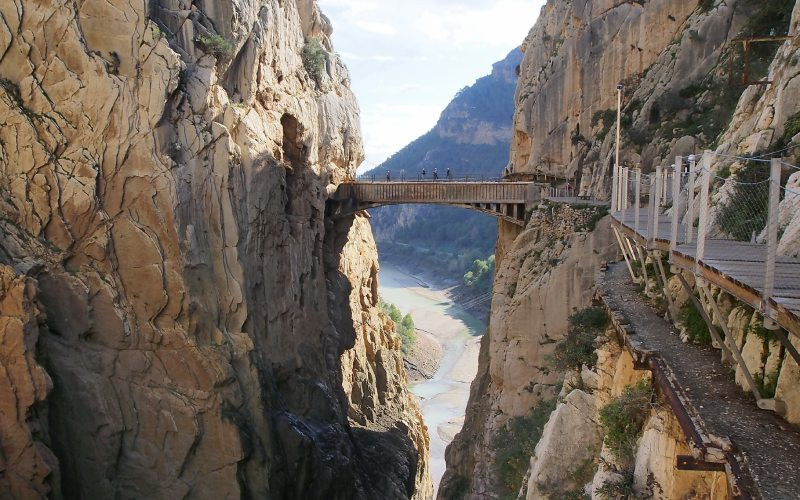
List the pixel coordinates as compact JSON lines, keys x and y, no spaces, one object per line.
{"x":690,"y":200}
{"x":731,"y":342}
{"x":638,"y":200}
{"x":772,"y":242}
{"x":676,"y":203}
{"x":625,"y":254}
{"x":726,"y":353}
{"x":705,"y":184}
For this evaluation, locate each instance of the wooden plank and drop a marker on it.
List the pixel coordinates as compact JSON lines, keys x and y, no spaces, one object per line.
{"x":688,"y":462}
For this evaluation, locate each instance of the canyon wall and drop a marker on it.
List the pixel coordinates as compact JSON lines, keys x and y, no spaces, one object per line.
{"x":203,"y":329}
{"x":544,"y":273}
{"x":672,"y":58}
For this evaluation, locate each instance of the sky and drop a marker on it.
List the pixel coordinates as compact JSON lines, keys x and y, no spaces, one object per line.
{"x":408,"y":58}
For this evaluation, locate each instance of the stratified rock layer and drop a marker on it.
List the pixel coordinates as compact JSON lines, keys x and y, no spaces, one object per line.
{"x":164,"y":168}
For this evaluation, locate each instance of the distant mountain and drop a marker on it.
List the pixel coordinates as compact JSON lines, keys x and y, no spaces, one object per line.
{"x":472,"y":136}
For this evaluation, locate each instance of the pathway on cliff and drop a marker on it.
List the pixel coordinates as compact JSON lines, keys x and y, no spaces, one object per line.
{"x":443,"y":398}
{"x":770,"y":445}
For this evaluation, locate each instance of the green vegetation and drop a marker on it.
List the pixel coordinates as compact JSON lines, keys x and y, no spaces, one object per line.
{"x":767,"y":385}
{"x":792,"y":128}
{"x":314,"y":57}
{"x":761,"y":332}
{"x":577,"y":349}
{"x":217,"y":45}
{"x":694,"y":323}
{"x":597,"y":215}
{"x":480,"y":274}
{"x":516,"y":443}
{"x":404,"y":325}
{"x":705,"y":5}
{"x":607,"y":116}
{"x":623,"y":419}
{"x":619,"y":489}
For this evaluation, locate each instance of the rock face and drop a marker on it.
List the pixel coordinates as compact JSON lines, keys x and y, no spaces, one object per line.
{"x":27,"y":464}
{"x":671,"y":57}
{"x":164,"y":167}
{"x":544,"y":274}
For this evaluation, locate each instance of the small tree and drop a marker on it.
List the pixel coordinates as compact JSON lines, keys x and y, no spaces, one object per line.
{"x":314,"y":57}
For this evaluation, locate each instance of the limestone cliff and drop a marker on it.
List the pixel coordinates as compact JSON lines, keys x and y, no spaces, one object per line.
{"x":672,"y":58}
{"x":544,"y":273}
{"x":164,"y":168}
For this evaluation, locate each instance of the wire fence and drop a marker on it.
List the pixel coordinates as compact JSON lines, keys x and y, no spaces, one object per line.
{"x":720,"y":208}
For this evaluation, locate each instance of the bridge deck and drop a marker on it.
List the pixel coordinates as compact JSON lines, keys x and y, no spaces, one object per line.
{"x":736,"y":267}
{"x":507,"y":200}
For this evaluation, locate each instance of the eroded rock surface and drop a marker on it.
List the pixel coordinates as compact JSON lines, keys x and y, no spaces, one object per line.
{"x":164,"y":168}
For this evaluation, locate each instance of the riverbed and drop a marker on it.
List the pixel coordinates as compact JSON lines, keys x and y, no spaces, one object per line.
{"x":443,"y":398}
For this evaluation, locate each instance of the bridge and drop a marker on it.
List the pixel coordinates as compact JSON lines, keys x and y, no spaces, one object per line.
{"x":504,"y":200}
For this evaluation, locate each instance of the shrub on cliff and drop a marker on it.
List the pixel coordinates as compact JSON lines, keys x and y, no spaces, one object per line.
{"x":217,"y":45}
{"x":314,"y":56}
{"x":516,"y":443}
{"x":577,"y":349}
{"x":403,"y":325}
{"x":623,"y":419}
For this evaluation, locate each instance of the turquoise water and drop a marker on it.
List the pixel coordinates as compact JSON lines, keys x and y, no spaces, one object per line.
{"x":443,"y":398}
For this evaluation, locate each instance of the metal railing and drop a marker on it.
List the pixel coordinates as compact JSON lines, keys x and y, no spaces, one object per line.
{"x":428,"y":177}
{"x":716,"y":211}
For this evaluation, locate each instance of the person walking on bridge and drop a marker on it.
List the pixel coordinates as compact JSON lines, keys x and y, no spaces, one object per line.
{"x":435,"y":174}
{"x":449,"y":175}
{"x":388,"y":175}
{"x":423,"y":174}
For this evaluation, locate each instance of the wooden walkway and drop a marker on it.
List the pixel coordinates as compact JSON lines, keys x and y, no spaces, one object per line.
{"x":506,"y":200}
{"x":734,"y":266}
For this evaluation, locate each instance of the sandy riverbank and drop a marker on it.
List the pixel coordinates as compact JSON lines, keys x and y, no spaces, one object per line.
{"x":443,"y":398}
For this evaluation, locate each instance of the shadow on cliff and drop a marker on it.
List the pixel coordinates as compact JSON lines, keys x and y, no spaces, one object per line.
{"x":386,"y":458}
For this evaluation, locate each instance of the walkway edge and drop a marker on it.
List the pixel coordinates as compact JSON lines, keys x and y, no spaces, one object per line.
{"x":705,"y":446}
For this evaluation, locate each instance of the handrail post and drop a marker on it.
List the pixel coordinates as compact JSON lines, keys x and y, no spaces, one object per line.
{"x":772,"y":239}
{"x":690,"y":199}
{"x":655,"y":197}
{"x":676,"y":203}
{"x":638,"y":200}
{"x":625,"y":176}
{"x":614,"y":189}
{"x":702,"y":230}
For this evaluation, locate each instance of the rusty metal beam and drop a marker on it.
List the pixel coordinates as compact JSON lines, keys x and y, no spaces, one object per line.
{"x":688,"y":462}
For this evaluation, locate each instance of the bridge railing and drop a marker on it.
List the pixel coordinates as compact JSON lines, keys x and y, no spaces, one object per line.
{"x":428,"y":177}
{"x":715,"y":203}
{"x":439,"y":192}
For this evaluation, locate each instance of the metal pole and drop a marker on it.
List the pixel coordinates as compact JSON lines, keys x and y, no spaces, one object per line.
{"x":772,"y":239}
{"x":656,"y":201}
{"x":615,"y":187}
{"x":703,"y":229}
{"x":638,"y":200}
{"x":676,"y":202}
{"x":690,"y":200}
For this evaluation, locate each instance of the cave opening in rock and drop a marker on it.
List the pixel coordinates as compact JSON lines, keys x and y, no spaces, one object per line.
{"x":293,"y":148}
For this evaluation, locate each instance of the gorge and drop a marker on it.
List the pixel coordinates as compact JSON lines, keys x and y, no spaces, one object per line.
{"x":180,"y":316}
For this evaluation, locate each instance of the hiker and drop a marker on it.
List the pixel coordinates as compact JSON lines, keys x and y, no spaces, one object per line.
{"x":388,"y":175}
{"x":449,"y":175}
{"x":435,"y":174}
{"x":423,"y":174}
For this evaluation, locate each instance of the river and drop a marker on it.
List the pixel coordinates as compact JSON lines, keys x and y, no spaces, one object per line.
{"x":443,"y":398}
